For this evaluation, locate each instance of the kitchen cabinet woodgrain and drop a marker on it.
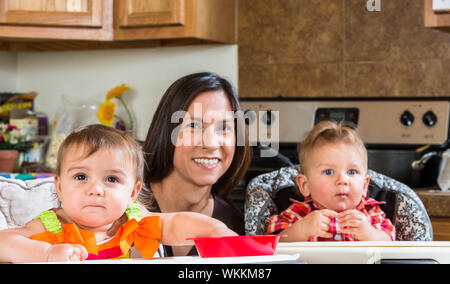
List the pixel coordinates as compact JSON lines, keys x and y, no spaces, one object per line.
{"x":92,"y":24}
{"x":51,"y":13}
{"x":210,"y":20}
{"x":22,"y":21}
{"x":144,"y":13}
{"x":441,"y":228}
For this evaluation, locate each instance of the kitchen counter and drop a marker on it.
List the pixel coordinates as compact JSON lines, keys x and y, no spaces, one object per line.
{"x":436,"y":202}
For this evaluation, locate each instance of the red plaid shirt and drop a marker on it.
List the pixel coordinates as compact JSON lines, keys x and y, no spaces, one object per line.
{"x":298,"y":210}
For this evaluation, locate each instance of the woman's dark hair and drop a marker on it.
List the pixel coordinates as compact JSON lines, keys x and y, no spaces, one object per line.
{"x":159,"y":149}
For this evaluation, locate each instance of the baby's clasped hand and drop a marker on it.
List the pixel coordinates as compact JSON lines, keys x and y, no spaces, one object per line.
{"x":316,"y":224}
{"x":355,"y":223}
{"x":66,"y":253}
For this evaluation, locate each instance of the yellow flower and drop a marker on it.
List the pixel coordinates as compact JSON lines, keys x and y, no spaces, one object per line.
{"x":117,"y":92}
{"x":105,"y":113}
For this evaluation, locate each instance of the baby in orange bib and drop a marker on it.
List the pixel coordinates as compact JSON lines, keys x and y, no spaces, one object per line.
{"x":98,"y":178}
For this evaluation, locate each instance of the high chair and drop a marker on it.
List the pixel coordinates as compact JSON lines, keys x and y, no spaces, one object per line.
{"x":269,"y":193}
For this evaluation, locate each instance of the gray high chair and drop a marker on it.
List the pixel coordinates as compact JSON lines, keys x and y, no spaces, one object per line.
{"x":269,"y":193}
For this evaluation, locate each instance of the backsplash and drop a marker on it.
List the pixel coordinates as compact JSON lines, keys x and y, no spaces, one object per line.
{"x":337,"y":48}
{"x":86,"y":76}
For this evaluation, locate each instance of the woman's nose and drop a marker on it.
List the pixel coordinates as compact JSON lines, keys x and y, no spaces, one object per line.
{"x":95,"y":190}
{"x":210,"y":138}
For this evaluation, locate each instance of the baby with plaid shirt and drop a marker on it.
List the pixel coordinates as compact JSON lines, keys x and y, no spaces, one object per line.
{"x":333,"y":179}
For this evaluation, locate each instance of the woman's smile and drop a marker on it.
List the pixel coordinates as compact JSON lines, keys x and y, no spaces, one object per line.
{"x":207,"y":163}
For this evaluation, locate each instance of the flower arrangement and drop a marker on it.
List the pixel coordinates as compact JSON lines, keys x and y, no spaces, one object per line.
{"x":12,"y":138}
{"x":106,"y":111}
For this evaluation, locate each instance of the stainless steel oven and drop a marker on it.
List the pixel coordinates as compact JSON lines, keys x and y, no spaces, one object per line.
{"x":397,"y":132}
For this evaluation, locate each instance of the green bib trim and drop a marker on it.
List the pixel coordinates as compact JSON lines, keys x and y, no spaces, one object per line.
{"x":133,"y":211}
{"x":50,"y":221}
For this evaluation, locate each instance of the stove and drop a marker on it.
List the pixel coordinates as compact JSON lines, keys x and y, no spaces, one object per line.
{"x":396,"y":131}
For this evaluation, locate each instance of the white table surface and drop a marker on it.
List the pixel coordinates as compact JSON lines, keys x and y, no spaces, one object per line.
{"x":317,"y":253}
{"x":269,"y":259}
{"x":365,"y":252}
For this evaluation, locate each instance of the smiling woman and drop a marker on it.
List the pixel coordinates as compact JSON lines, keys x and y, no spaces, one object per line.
{"x":193,"y":160}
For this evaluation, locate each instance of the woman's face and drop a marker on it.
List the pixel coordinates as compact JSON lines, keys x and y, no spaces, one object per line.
{"x":206,"y":140}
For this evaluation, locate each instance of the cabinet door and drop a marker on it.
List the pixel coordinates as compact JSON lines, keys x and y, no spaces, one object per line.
{"x":64,"y":13}
{"x":148,"y":13}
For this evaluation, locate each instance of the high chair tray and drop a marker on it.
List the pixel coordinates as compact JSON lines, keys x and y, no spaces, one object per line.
{"x":367,"y":252}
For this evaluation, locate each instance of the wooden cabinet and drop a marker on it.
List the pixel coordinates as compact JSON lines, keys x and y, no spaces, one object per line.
{"x":150,"y":13}
{"x":74,"y":24}
{"x":210,"y":20}
{"x":436,"y":20}
{"x":22,"y":20}
{"x":81,"y":13}
{"x":441,"y":228}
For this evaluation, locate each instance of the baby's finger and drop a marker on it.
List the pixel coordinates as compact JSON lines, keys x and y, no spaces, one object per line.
{"x":329,"y":213}
{"x":352,"y":223}
{"x":347,"y":214}
{"x":325,"y":234}
{"x":350,"y":216}
{"x":324,"y":227}
{"x":80,"y":252}
{"x":77,"y":253}
{"x":349,"y":230}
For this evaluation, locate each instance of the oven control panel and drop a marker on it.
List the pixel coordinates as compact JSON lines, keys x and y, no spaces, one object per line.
{"x":415,"y":122}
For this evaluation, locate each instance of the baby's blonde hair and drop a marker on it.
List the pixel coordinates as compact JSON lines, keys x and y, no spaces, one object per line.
{"x":329,"y":132}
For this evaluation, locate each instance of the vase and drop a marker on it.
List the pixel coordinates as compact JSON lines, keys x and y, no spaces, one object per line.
{"x":8,"y":159}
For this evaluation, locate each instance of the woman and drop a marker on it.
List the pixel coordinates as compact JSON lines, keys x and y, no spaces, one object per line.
{"x":196,"y":152}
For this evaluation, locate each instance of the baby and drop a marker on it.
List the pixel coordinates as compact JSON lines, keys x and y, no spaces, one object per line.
{"x":99,"y":176}
{"x":334,"y":180}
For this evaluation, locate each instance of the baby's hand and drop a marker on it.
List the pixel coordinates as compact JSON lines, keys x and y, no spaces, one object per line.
{"x":66,"y":252}
{"x":317,"y":224}
{"x":356,"y":223}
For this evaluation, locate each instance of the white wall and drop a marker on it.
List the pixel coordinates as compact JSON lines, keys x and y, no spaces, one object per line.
{"x":86,"y":76}
{"x":8,"y":72}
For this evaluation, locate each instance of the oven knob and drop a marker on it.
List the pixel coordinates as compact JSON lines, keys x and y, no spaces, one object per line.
{"x":429,"y":119}
{"x":407,"y":118}
{"x":268,"y":118}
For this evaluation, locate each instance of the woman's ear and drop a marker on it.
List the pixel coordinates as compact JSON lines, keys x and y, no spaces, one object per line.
{"x":302,"y":182}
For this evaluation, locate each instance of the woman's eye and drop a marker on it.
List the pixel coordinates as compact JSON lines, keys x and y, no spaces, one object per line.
{"x":80,"y":177}
{"x":112,"y":179}
{"x":328,"y":171}
{"x":194,"y":125}
{"x":227,"y":127}
{"x":223,"y":128}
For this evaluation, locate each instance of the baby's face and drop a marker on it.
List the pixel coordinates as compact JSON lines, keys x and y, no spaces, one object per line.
{"x":336,"y":176}
{"x":96,"y":190}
